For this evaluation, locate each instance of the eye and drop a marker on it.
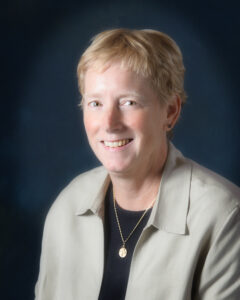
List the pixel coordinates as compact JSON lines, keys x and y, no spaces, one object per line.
{"x":129,"y":103}
{"x":94,"y":103}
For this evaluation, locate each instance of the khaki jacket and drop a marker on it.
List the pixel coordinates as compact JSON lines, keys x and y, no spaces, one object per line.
{"x":189,"y":249}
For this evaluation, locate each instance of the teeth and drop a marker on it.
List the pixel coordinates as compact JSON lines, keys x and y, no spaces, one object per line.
{"x":116,"y":144}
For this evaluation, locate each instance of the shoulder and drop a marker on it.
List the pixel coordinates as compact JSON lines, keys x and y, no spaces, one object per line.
{"x":79,"y":193}
{"x":208,"y":184}
{"x":199,"y":183}
{"x":209,"y":198}
{"x":85,"y":182}
{"x":213,"y":199}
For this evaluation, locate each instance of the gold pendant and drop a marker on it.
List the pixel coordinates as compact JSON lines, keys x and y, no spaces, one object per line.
{"x":122,"y":252}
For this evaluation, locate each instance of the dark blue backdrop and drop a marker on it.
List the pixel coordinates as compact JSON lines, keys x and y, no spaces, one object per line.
{"x":43,"y":145}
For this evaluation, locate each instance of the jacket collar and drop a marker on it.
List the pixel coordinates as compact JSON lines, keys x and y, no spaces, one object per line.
{"x":170,"y":210}
{"x":94,"y":192}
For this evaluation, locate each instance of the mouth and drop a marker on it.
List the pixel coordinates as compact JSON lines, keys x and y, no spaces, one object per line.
{"x":116,"y":144}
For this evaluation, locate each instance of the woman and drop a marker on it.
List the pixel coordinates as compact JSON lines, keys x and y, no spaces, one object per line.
{"x":150,"y":223}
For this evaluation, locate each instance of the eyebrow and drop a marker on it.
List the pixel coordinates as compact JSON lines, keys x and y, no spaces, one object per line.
{"x":129,"y":93}
{"x":91,"y":95}
{"x":122,"y":95}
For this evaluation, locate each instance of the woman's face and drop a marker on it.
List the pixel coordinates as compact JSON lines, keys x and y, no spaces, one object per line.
{"x":125,"y":123}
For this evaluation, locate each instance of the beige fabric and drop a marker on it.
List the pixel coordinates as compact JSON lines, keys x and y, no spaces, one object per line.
{"x":189,"y":249}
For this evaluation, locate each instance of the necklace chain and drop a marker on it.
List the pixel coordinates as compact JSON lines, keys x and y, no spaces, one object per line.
{"x":123,"y":251}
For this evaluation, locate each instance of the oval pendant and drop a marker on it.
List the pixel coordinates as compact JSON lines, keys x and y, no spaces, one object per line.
{"x":122,"y":252}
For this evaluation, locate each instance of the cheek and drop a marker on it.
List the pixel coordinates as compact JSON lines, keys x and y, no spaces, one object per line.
{"x":89,"y":119}
{"x":152,"y":129}
{"x":147,"y":124}
{"x":138,"y":122}
{"x":89,"y":124}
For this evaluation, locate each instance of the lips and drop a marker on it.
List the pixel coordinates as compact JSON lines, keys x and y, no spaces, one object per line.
{"x":118,"y":143}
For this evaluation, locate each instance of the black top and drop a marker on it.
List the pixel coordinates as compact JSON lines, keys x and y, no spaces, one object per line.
{"x":116,"y":269}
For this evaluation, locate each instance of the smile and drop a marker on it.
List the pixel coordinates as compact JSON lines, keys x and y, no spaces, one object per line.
{"x":116,"y":144}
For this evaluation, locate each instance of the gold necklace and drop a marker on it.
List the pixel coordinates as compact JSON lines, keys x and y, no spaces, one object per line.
{"x":123,"y":251}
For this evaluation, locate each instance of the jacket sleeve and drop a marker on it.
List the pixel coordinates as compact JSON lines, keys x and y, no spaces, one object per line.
{"x":220,"y":278}
{"x":41,"y":266}
{"x":48,"y":251}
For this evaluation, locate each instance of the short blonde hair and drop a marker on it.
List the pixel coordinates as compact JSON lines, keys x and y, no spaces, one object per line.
{"x":149,"y":53}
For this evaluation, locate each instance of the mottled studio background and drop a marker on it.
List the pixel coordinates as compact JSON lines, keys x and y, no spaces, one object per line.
{"x":43,"y":145}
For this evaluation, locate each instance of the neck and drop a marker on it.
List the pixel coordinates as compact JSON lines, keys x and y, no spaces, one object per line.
{"x":135,"y":196}
{"x":139,"y":191}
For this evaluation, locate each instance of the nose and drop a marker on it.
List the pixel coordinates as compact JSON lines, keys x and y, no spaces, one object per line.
{"x":112,"y":119}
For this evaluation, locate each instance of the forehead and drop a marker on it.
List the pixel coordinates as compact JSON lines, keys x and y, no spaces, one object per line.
{"x":114,"y":75}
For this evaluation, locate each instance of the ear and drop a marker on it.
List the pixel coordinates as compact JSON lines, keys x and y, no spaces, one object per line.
{"x":173,"y":111}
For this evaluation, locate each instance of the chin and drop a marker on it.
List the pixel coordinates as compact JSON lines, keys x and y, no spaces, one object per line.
{"x":116,"y":169}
